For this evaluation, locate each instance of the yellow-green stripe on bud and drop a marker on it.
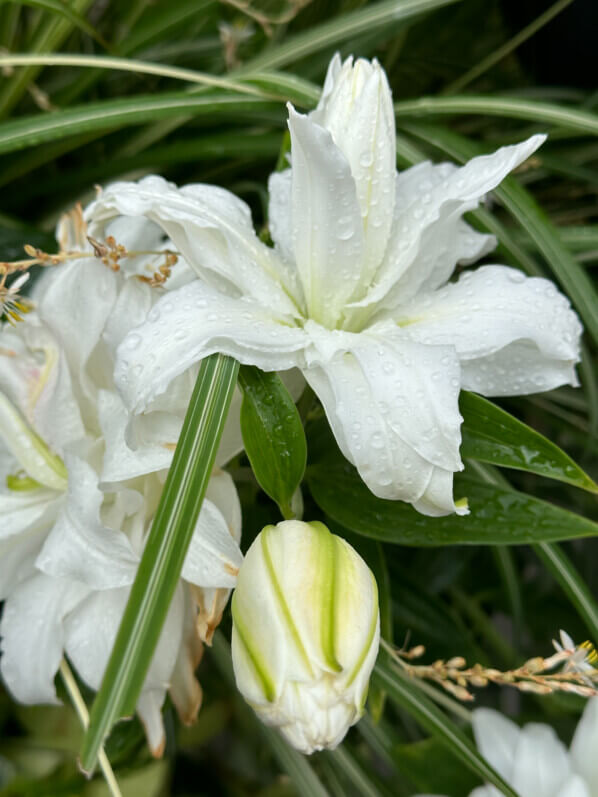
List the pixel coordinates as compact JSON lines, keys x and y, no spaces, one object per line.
{"x":306,"y":630}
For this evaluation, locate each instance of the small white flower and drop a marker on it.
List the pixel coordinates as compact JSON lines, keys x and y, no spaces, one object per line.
{"x":579,"y":658}
{"x":356,"y":292}
{"x":306,"y":629}
{"x":11,"y":304}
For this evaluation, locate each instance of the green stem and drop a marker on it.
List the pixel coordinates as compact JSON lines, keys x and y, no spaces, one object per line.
{"x":71,"y":687}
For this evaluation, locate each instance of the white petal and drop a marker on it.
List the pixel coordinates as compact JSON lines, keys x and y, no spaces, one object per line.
{"x":584,"y":745}
{"x":80,"y":546}
{"x":222,"y":492}
{"x":214,"y":556}
{"x":392,"y":406}
{"x":185,"y":690}
{"x":280,"y":188}
{"x":211,"y":228}
{"x":149,"y":709}
{"x":231,"y":442}
{"x":327,"y":229}
{"x":30,"y":451}
{"x":22,"y":509}
{"x":25,"y":519}
{"x":76,"y":304}
{"x":121,"y":462}
{"x":130,"y":309}
{"x":428,"y":196}
{"x":205,"y":321}
{"x":575,"y":786}
{"x":358,"y":112}
{"x":35,"y":377}
{"x":496,"y":737}
{"x":437,"y":499}
{"x":541,"y":762}
{"x":513,"y":334}
{"x":32,"y":635}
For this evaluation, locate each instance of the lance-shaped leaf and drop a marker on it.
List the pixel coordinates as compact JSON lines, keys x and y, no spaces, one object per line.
{"x":164,"y":552}
{"x":498,"y":516}
{"x":273,"y":435}
{"x":492,"y":435}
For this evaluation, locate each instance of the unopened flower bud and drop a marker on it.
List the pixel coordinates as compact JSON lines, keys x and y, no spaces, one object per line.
{"x":306,"y":630}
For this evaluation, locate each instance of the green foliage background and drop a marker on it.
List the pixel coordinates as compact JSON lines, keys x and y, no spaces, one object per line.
{"x":495,"y":587}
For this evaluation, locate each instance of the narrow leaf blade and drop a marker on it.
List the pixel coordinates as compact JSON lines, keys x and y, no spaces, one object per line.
{"x":492,"y":435}
{"x":404,"y":692}
{"x":498,"y":516}
{"x":164,"y":553}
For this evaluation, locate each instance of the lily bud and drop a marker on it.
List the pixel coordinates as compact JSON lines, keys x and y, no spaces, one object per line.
{"x":356,"y":108}
{"x":306,"y":630}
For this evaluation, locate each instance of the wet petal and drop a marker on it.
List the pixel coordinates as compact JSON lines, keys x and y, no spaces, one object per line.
{"x":513,"y":334}
{"x":204,"y":321}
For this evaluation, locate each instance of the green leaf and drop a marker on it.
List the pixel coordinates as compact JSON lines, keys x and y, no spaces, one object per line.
{"x":572,"y":584}
{"x":164,"y":552}
{"x":48,"y":36}
{"x":384,"y":16}
{"x":70,"y":14}
{"x":498,"y":515}
{"x":413,"y":761}
{"x":28,"y":131}
{"x":542,"y":113}
{"x":362,"y":783}
{"x":492,"y":435}
{"x":404,"y":691}
{"x":273,"y":435}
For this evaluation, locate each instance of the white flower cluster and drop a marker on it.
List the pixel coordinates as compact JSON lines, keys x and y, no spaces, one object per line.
{"x":77,"y":501}
{"x":355,"y":294}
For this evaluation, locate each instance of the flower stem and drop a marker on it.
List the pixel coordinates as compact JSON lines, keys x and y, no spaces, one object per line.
{"x":79,"y":705}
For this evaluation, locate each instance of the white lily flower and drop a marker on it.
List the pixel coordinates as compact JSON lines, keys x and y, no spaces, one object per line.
{"x":533,"y":761}
{"x":355,"y":292}
{"x":76,"y":502}
{"x":306,"y":629}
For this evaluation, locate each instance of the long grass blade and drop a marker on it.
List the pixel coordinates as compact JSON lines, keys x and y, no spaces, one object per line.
{"x":378,"y":16}
{"x":70,"y":684}
{"x":562,"y":568}
{"x":164,"y":552}
{"x":48,"y":36}
{"x":115,"y":114}
{"x":542,"y":113}
{"x":70,"y":14}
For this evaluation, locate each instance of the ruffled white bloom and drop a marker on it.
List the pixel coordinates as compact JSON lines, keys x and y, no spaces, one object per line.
{"x":355,"y":292}
{"x":76,"y":502}
{"x":532,"y":759}
{"x":306,"y":629}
